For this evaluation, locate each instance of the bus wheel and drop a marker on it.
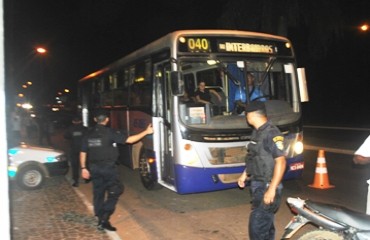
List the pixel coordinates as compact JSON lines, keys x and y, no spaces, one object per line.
{"x":147,"y":173}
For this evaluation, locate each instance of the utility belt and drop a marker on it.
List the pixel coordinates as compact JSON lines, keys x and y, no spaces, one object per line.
{"x":266,"y":184}
{"x":260,"y":179}
{"x":102,"y":162}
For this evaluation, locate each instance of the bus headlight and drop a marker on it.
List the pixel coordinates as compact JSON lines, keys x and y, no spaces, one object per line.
{"x":298,"y":147}
{"x":189,"y":156}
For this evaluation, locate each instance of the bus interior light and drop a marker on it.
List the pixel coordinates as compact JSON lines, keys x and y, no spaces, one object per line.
{"x":212,"y":62}
{"x":240,"y":64}
{"x":140,"y":79}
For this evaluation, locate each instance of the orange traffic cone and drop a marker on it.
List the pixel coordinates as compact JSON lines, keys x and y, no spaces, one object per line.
{"x":321,"y":179}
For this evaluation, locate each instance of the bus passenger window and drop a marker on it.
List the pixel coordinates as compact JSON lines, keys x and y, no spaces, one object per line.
{"x":135,"y":99}
{"x":120,"y":97}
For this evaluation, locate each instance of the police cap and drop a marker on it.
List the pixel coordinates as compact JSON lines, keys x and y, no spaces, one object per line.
{"x":255,"y":106}
{"x":101,"y":114}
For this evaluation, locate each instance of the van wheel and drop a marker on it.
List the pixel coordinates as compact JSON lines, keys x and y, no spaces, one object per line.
{"x":147,"y":172}
{"x":30,"y":178}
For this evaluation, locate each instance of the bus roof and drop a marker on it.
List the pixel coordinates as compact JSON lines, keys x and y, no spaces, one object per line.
{"x":168,"y":39}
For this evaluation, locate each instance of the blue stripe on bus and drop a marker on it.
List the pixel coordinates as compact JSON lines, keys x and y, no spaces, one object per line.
{"x":294,"y":167}
{"x":195,"y":180}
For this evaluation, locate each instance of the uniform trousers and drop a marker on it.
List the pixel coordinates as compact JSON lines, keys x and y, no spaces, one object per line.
{"x":261,"y":220}
{"x":107,"y":188}
{"x":74,"y":158}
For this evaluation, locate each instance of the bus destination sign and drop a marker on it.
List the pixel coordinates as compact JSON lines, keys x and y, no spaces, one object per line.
{"x":240,"y":47}
{"x":198,"y":45}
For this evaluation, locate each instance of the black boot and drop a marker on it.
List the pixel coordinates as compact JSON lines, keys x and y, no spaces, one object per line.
{"x":105,"y":224}
{"x":100,"y":220}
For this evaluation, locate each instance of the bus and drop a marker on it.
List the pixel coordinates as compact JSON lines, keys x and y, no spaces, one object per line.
{"x":198,"y":147}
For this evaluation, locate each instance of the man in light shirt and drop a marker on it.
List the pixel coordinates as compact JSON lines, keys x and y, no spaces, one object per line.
{"x":362,"y":155}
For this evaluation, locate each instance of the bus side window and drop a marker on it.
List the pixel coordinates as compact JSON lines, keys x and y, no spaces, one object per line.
{"x":95,"y":96}
{"x":121,"y":93}
{"x":135,"y":93}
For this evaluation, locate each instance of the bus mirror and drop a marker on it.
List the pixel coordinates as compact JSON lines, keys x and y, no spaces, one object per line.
{"x":302,"y":84}
{"x":177,"y":84}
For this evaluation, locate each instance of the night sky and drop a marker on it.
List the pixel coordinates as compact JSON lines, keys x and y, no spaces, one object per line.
{"x":85,"y":35}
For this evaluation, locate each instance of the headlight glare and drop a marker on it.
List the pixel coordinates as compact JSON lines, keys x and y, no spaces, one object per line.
{"x":298,"y":147}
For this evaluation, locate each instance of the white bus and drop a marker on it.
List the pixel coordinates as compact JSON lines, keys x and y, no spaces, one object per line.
{"x":197,"y":147}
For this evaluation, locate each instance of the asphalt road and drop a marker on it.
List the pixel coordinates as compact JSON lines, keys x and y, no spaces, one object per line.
{"x":224,"y":214}
{"x":163,"y":214}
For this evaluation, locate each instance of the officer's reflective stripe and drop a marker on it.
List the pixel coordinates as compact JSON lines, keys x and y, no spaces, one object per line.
{"x":321,"y":160}
{"x":321,"y":170}
{"x":95,"y":142}
{"x":76,"y":134}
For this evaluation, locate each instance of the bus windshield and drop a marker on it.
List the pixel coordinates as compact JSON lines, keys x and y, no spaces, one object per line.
{"x":232,"y":84}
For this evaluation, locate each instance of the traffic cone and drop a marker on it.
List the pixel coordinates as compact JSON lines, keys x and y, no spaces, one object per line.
{"x":321,"y":179}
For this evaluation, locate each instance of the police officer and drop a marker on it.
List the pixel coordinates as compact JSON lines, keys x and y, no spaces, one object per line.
{"x":265,"y":167}
{"x":74,"y":135}
{"x":99,"y":146}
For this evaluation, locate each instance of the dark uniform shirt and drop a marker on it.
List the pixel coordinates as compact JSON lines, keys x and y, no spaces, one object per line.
{"x":101,"y":141}
{"x":274,"y":141}
{"x":267,"y":143}
{"x":75,"y":134}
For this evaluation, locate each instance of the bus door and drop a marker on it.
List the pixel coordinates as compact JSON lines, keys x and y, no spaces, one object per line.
{"x":163,"y":111}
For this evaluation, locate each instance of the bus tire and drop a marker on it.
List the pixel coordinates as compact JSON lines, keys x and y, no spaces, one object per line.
{"x":148,"y":175}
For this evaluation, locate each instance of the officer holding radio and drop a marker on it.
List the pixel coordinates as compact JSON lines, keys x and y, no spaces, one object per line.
{"x":99,"y":148}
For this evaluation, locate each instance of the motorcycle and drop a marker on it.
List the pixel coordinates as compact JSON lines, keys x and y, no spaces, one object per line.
{"x":334,"y":222}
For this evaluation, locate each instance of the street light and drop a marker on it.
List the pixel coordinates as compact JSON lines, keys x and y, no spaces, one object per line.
{"x":17,"y":70}
{"x":41,"y":50}
{"x":364,"y":27}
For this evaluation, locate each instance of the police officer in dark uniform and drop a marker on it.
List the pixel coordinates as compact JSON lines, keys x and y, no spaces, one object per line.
{"x":74,"y":135}
{"x":99,"y":147}
{"x":265,"y":167}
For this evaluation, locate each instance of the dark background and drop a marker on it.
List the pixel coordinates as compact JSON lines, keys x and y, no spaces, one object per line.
{"x":84,"y":35}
